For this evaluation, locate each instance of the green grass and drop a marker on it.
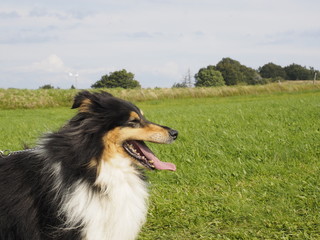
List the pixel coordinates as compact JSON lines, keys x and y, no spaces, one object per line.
{"x":247,"y":166}
{"x":24,"y":126}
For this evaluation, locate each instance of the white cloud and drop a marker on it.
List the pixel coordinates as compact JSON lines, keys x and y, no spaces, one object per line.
{"x":51,"y":64}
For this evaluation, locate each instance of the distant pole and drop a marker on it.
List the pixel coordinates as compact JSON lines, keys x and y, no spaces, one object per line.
{"x":75,"y":75}
{"x":315,"y":77}
{"x":76,"y":79}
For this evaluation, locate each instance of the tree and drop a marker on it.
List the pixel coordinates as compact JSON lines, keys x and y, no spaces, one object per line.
{"x":230,"y":70}
{"x":47,"y":86}
{"x":179,"y":85}
{"x":209,"y":77}
{"x":297,"y":72}
{"x":186,"y":81}
{"x":235,"y":73}
{"x":251,"y":76}
{"x":122,"y":79}
{"x":271,"y":70}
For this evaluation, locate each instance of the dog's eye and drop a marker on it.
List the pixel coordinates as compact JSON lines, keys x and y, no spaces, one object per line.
{"x":134,"y":122}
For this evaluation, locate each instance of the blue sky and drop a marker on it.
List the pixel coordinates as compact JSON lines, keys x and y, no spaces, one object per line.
{"x":41,"y":42}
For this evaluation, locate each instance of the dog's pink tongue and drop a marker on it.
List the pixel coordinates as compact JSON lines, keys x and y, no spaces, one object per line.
{"x":156,"y":161}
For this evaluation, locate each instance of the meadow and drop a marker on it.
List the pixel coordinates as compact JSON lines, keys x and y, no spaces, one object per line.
{"x":44,"y":98}
{"x":247,"y":165}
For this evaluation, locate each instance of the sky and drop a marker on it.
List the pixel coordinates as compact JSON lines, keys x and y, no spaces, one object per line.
{"x":75,"y":42}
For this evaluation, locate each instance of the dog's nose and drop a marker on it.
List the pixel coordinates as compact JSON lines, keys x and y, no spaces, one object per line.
{"x":173,"y":134}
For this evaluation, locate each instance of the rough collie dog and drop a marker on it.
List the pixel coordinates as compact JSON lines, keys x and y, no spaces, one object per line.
{"x":86,"y":180}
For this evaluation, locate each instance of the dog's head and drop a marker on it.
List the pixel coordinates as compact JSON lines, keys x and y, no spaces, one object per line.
{"x":119,"y":128}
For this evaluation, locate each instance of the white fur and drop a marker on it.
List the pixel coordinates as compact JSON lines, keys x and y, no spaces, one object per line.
{"x":116,"y":213}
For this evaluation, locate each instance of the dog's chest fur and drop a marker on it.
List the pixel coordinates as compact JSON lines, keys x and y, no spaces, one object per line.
{"x":118,"y":212}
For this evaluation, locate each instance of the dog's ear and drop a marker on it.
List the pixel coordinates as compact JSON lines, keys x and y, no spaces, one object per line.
{"x":84,"y":99}
{"x":79,"y":99}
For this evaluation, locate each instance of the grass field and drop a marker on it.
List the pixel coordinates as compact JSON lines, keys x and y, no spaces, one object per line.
{"x":247,"y":166}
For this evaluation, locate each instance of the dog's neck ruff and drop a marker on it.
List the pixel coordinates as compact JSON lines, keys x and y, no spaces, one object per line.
{"x":115,"y":213}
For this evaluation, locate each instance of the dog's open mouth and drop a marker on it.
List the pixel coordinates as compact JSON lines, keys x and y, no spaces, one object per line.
{"x":140,"y":151}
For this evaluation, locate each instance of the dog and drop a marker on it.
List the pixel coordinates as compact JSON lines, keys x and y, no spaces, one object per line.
{"x":85,"y":181}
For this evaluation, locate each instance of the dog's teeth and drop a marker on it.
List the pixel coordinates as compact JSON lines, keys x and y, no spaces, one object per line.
{"x":132,"y":148}
{"x":139,"y":155}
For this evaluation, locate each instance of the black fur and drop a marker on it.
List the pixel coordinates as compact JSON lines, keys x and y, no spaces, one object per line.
{"x":27,"y":208}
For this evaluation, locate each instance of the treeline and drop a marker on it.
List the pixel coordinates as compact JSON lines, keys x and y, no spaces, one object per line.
{"x":231,"y":72}
{"x":228,"y":72}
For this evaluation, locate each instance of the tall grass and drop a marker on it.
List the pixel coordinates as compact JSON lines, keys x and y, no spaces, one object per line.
{"x":41,"y":98}
{"x":15,"y":98}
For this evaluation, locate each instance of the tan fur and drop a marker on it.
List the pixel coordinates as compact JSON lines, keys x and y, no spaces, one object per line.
{"x":134,"y":116}
{"x":85,"y":105}
{"x":113,"y":144}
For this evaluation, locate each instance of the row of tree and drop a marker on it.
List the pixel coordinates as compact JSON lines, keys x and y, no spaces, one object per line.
{"x":227,"y":72}
{"x":231,"y":72}
{"x":49,"y":86}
